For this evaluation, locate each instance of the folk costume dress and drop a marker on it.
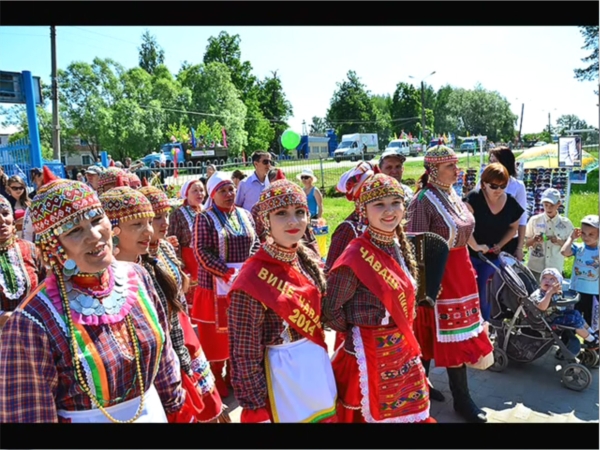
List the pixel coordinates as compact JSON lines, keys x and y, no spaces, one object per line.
{"x":21,"y":268}
{"x":281,"y":371}
{"x":83,"y":347}
{"x":196,"y":373}
{"x":371,"y":297}
{"x":451,"y":333}
{"x":181,"y":225}
{"x":352,"y":227}
{"x":222,"y":242}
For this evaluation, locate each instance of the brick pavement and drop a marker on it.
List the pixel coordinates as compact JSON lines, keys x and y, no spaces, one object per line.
{"x":522,"y":393}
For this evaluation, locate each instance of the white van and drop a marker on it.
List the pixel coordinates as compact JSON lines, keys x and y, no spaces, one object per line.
{"x":354,"y":146}
{"x":401,"y":146}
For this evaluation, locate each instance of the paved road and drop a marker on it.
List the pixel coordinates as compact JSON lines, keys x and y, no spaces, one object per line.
{"x":527,"y":393}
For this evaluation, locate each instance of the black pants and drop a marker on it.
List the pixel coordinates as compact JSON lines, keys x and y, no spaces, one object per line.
{"x":586,"y":307}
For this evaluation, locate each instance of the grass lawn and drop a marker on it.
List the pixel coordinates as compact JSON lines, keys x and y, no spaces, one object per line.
{"x":583,"y":201}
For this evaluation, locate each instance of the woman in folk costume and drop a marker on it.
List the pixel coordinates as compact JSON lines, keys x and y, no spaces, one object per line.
{"x":112,"y":177}
{"x":162,"y":263}
{"x":371,"y":296}
{"x":309,"y":238}
{"x":349,"y":184}
{"x":281,"y":369}
{"x":224,"y":238}
{"x":181,"y":225}
{"x":88,"y":345}
{"x":21,"y":267}
{"x":452,"y":333}
{"x":134,"y":180}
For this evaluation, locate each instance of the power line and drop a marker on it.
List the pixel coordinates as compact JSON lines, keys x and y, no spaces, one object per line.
{"x":346,"y":121}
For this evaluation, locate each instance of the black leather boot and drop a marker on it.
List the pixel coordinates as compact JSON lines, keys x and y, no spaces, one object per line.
{"x":463,"y":404}
{"x":434,"y":394}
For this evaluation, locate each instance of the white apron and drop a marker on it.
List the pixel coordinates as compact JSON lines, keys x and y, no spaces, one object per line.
{"x":153,"y":411}
{"x":300,"y":382}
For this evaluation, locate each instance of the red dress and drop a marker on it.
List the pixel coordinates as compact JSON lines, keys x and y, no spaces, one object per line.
{"x":451,"y":333}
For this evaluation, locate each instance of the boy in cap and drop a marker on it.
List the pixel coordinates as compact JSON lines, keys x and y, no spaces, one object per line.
{"x":549,"y":291}
{"x":545,"y":235}
{"x":92,"y":175}
{"x":584,"y":278}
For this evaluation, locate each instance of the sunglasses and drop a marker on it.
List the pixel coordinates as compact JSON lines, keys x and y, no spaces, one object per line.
{"x":17,"y":188}
{"x":494,"y":186}
{"x":305,"y":177}
{"x":267,"y":162}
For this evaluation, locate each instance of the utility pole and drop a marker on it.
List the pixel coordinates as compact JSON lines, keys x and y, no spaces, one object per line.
{"x":549,"y":125}
{"x":55,"y":121}
{"x":423,"y":107}
{"x":521,"y":124}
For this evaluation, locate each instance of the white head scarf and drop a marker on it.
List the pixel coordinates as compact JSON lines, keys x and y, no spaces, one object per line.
{"x":216,"y":181}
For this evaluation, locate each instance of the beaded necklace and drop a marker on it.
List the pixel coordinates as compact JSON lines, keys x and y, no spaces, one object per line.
{"x":77,"y":363}
{"x":13,"y":276}
{"x":233,"y":223}
{"x":447,"y":193}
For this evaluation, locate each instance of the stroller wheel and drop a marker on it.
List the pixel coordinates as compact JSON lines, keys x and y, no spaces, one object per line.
{"x":576,"y":377}
{"x":589,"y":358}
{"x":500,"y":360}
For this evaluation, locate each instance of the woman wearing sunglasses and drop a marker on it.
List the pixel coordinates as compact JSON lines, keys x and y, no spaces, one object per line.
{"x":516,"y":188}
{"x":497,"y":215}
{"x":18,"y":191}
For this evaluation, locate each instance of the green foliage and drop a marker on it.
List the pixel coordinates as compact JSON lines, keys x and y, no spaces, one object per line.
{"x":590,"y":35}
{"x":351,"y":109}
{"x":150,"y":54}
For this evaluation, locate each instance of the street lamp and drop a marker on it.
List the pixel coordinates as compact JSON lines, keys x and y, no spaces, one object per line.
{"x":422,"y":100}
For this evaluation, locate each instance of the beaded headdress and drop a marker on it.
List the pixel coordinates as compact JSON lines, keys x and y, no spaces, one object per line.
{"x":280,"y":194}
{"x":376,"y":187}
{"x":157,"y":197}
{"x":351,"y":181}
{"x":124,"y":203}
{"x":134,"y":180}
{"x":60,"y":205}
{"x":5,"y":204}
{"x":439,"y":154}
{"x":112,"y":175}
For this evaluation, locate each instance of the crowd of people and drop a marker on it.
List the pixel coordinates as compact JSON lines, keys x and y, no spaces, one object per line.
{"x":115,"y":308}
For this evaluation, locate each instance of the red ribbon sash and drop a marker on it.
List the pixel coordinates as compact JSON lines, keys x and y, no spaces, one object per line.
{"x":384,"y":277}
{"x":286,"y":291}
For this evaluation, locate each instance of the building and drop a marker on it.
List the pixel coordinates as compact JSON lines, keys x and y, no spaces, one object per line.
{"x":313,"y":147}
{"x":6,"y":133}
{"x":79,"y":156}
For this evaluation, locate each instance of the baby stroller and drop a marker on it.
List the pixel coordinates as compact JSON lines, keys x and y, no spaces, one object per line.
{"x":519,"y":330}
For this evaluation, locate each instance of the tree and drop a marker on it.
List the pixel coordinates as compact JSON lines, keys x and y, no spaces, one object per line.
{"x":443,"y":123}
{"x":406,"y":110}
{"x":214,"y":94}
{"x":275,"y":107}
{"x":351,"y":109}
{"x":481,"y":112}
{"x":570,"y":122}
{"x":151,"y":55}
{"x":259,"y":129}
{"x":383,"y":119}
{"x":318,"y":125}
{"x":226,"y":49}
{"x":590,"y":35}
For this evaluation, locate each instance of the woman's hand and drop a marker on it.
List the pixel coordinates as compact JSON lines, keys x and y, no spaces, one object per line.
{"x":173,"y":241}
{"x":4,"y":317}
{"x":519,"y":254}
{"x":496,"y":249}
{"x":483,"y":249}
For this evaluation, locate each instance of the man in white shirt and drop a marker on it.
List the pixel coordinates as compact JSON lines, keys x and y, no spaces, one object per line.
{"x":250,"y":188}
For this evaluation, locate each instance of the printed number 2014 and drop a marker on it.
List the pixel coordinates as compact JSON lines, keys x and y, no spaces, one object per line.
{"x":300,"y":319}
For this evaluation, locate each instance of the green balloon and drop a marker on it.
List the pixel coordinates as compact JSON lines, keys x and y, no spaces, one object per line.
{"x":290,"y":139}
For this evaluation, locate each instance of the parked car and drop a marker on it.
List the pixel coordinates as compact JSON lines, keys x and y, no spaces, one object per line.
{"x":468,"y":147}
{"x":415,"y":149}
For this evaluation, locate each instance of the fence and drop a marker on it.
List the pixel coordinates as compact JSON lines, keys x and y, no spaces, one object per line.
{"x":327,"y":171}
{"x":15,"y":159}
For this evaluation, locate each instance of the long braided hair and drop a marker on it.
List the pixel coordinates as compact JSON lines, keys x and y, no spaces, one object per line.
{"x":407,"y":252}
{"x":165,"y":284}
{"x":312,"y":266}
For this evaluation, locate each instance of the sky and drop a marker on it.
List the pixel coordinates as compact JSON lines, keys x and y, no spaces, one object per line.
{"x":530,"y":65}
